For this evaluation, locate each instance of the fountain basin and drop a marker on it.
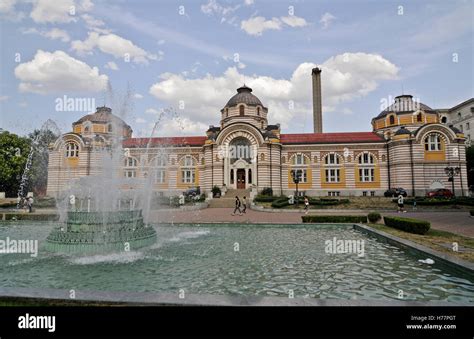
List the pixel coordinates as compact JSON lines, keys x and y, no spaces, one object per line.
{"x":97,"y":232}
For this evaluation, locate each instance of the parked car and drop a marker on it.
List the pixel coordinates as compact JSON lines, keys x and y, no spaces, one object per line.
{"x":192,"y":192}
{"x":395,"y":192}
{"x":440,"y":193}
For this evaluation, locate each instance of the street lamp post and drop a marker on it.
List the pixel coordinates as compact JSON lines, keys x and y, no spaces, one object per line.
{"x":451,"y":172}
{"x":296,"y":180}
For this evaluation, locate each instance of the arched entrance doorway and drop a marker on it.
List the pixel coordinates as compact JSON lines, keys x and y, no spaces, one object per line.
{"x":241,"y":163}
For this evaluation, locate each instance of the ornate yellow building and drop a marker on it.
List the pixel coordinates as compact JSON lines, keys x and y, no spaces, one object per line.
{"x":408,"y":148}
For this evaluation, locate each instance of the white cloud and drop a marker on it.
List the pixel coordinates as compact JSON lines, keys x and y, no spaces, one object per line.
{"x":4,"y":98}
{"x":344,"y":78}
{"x":327,"y":19}
{"x":249,"y":2}
{"x":137,"y":96}
{"x":294,"y":21}
{"x":53,"y":11}
{"x":257,"y":25}
{"x":140,"y":120}
{"x":151,"y":111}
{"x":54,"y":33}
{"x":8,"y":12}
{"x":114,"y":45}
{"x":58,"y":72}
{"x":111,"y":65}
{"x":215,"y":8}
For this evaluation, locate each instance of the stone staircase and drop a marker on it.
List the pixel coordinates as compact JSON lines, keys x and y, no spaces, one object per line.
{"x":228,"y":201}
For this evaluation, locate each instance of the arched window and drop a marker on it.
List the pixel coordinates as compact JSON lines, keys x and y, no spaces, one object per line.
{"x":433,"y":142}
{"x":109,"y":128}
{"x":241,"y":110}
{"x":392,"y":120}
{"x":188,"y":170}
{"x":331,"y":159}
{"x":160,"y":163}
{"x":258,"y":110}
{"x":298,"y":159}
{"x":366,"y":167}
{"x":332,"y":168}
{"x":262,"y":157}
{"x":419,"y":117}
{"x":444,"y":120}
{"x":72,"y":150}
{"x":366,"y":159}
{"x":130,"y":167}
{"x":299,"y":170}
{"x":226,"y":112}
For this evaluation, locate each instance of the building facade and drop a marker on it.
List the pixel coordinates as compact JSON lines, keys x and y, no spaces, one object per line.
{"x":409,"y":147}
{"x":461,"y":117}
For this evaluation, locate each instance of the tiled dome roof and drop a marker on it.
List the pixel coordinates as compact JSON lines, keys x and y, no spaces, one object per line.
{"x":102,"y":115}
{"x":404,"y":104}
{"x":244,"y":96}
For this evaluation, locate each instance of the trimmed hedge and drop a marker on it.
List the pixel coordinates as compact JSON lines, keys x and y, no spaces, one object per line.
{"x":280,"y":202}
{"x":265,"y":198}
{"x":267,"y":191}
{"x":407,"y":224}
{"x":335,"y":218}
{"x":374,"y":217}
{"x":32,"y":217}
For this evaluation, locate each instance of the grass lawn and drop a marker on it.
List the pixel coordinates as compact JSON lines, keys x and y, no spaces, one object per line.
{"x":437,"y":240}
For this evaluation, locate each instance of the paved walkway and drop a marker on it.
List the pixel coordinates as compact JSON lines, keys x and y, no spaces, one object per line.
{"x":452,"y":221}
{"x":455,"y":222}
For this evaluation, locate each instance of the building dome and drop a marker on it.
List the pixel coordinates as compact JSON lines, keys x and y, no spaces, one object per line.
{"x":404,"y":104}
{"x":244,"y":96}
{"x":101,"y":116}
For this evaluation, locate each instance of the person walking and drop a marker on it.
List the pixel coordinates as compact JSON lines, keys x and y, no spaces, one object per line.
{"x":400,"y":204}
{"x":306,"y":205}
{"x":244,"y":205}
{"x":29,"y":203}
{"x":237,"y":206}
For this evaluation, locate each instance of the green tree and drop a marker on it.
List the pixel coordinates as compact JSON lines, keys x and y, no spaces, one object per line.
{"x":13,"y":155}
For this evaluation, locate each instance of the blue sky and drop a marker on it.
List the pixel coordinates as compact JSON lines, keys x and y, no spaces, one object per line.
{"x":192,"y":58}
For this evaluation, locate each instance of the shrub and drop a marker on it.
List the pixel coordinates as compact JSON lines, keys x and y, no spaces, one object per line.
{"x":216,"y":190}
{"x":374,"y":217}
{"x":267,"y":191}
{"x":472,"y":213}
{"x":335,"y":218}
{"x":265,"y":198}
{"x":408,"y":225}
{"x":280,"y":202}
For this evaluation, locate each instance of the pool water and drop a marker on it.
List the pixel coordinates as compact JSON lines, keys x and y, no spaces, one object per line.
{"x":273,"y":260}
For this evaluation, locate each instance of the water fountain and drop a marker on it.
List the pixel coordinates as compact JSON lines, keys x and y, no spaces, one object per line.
{"x":105,"y":211}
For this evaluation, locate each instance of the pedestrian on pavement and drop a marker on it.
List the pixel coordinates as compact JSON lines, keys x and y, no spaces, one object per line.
{"x":237,"y":206}
{"x":244,"y":205}
{"x":306,"y":205}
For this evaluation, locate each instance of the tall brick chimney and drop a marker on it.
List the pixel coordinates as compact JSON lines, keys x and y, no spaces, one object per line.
{"x":317,"y":101}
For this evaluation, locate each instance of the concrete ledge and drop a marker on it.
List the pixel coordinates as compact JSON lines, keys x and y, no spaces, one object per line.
{"x":460,"y":265}
{"x":195,"y":207}
{"x":172,"y":299}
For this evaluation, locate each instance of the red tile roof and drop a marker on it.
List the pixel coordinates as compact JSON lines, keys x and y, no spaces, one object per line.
{"x":330,"y":138}
{"x":165,"y":141}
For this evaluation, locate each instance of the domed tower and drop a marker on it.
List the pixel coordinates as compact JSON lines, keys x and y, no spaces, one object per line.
{"x":244,"y":107}
{"x":103,"y":124}
{"x":404,"y":112}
